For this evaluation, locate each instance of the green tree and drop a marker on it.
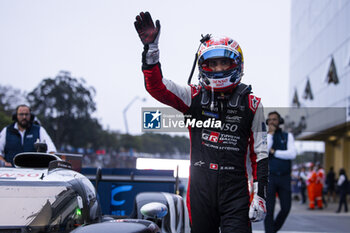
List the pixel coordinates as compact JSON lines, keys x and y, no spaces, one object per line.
{"x":163,"y":144}
{"x":127,"y":142}
{"x":65,"y":105}
{"x":109,"y":140}
{"x":182,"y":144}
{"x":4,"y":120}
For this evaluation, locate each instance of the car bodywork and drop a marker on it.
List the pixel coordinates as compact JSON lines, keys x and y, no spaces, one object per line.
{"x":42,"y":194}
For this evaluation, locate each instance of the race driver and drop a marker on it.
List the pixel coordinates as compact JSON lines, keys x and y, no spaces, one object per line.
{"x":222,"y":158}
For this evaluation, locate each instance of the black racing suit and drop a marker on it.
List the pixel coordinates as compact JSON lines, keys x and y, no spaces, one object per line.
{"x":222,"y":159}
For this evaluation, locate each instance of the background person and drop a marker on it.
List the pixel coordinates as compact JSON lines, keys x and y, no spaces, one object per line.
{"x":302,"y":177}
{"x":311,"y":186}
{"x":21,"y":135}
{"x":295,"y":183}
{"x":281,"y":152}
{"x":343,"y":183}
{"x":330,"y":182}
{"x":217,"y":196}
{"x":320,"y":174}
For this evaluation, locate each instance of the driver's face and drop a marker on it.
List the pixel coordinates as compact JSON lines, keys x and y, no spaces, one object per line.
{"x":23,"y":116}
{"x":219,"y":64}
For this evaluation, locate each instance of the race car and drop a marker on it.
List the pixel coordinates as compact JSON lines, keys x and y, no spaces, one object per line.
{"x":43,"y":194}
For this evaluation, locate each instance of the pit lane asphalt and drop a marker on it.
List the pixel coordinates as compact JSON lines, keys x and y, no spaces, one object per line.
{"x":302,"y":220}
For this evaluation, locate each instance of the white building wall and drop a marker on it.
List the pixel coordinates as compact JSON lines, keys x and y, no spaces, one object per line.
{"x":320,"y":30}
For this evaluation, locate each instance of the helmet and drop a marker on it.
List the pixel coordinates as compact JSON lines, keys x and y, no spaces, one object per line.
{"x":220,"y":47}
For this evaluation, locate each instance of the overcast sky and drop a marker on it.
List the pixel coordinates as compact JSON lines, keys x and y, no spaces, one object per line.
{"x":96,"y":40}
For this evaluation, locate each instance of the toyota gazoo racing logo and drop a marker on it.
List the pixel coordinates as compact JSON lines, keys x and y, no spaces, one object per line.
{"x":210,"y":136}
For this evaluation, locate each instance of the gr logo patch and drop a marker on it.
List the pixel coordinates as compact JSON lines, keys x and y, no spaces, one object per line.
{"x":214,"y":137}
{"x":211,"y":136}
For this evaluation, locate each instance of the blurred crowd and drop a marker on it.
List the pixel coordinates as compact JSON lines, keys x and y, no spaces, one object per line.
{"x":313,"y":186}
{"x":109,"y":160}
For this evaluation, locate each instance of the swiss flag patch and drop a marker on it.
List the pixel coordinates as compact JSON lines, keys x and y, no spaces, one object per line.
{"x":214,"y":166}
{"x":254,"y":102}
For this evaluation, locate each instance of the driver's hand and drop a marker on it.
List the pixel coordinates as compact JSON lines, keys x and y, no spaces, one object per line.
{"x":149,"y":35}
{"x":144,"y":25}
{"x":257,"y":209}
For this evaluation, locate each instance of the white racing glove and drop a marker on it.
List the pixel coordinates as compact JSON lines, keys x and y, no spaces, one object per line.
{"x":257,"y":210}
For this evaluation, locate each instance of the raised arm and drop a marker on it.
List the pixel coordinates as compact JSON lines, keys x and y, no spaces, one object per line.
{"x":163,"y":90}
